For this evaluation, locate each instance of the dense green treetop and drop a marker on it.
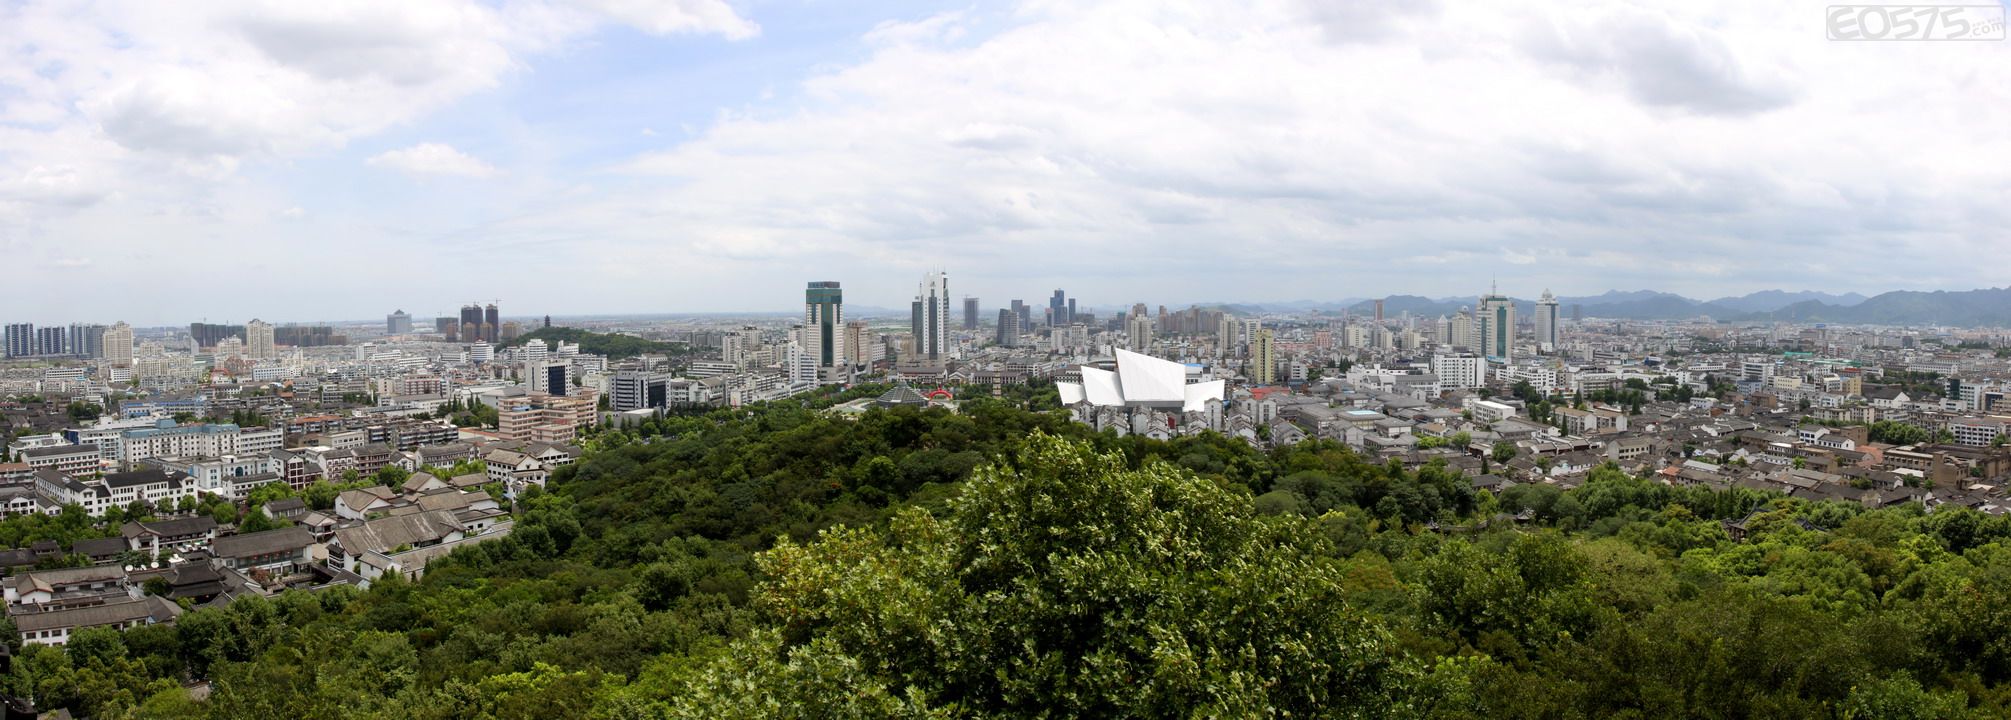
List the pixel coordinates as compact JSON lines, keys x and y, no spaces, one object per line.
{"x":594,"y":343}
{"x":779,"y":561}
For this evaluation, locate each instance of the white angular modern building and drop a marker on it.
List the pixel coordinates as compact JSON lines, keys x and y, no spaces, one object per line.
{"x":1142,"y":391}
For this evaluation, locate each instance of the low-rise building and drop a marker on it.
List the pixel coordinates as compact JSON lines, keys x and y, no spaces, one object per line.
{"x":276,"y":552}
{"x":57,"y":626}
{"x":65,"y":459}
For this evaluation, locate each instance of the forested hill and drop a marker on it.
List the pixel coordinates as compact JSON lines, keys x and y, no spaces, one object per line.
{"x":1006,"y":563}
{"x":593,"y":343}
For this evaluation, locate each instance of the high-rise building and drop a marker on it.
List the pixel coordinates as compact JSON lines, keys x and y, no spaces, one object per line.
{"x":1546,"y":322}
{"x":931,"y":318}
{"x":970,"y":313}
{"x":398,"y":323}
{"x":1463,"y":332}
{"x":1225,"y":335}
{"x":209,"y":334}
{"x":1072,"y":317}
{"x":1379,"y":312}
{"x":534,"y":353}
{"x":636,"y":390}
{"x":860,"y":346}
{"x":87,"y":340}
{"x":1263,"y":359}
{"x":1057,"y":309}
{"x":551,"y":378}
{"x":50,"y":341}
{"x":1138,"y":331}
{"x":1497,"y":327}
{"x":1008,"y":329}
{"x":799,"y":365}
{"x":307,"y":336}
{"x":1067,"y":338}
{"x":119,"y":344}
{"x":471,"y":323}
{"x":20,"y":339}
{"x":258,"y":340}
{"x":823,"y":317}
{"x":449,"y":328}
{"x":492,"y":324}
{"x":1461,"y":370}
{"x":736,"y":347}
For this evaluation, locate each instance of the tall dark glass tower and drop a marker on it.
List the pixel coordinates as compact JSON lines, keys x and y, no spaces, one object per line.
{"x":823,"y":314}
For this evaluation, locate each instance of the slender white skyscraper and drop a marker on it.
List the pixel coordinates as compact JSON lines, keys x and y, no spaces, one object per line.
{"x":534,"y":355}
{"x":1546,"y":322}
{"x":931,"y":322}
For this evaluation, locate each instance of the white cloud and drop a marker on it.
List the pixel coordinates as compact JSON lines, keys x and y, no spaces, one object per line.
{"x":1252,"y":148}
{"x":665,"y":17}
{"x":1157,"y":150}
{"x":218,"y":82}
{"x":433,"y":159}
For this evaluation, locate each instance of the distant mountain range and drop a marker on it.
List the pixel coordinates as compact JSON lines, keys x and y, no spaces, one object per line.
{"x":1966,"y":308}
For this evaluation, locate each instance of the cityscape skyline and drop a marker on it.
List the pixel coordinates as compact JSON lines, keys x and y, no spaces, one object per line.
{"x":900,"y":310}
{"x":1101,"y":358}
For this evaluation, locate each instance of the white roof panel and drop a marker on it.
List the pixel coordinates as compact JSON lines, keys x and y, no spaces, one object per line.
{"x":1101,"y":388}
{"x":1198,"y":395}
{"x":1150,"y":380}
{"x":1071,"y":393}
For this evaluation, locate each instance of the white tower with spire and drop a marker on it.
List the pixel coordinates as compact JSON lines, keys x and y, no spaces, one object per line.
{"x":1546,"y":323}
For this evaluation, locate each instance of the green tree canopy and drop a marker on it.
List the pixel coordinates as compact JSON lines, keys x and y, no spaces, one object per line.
{"x":1062,"y":582}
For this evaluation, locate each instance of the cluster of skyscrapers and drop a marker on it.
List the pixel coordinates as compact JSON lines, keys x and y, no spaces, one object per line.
{"x":476,"y":324}
{"x":827,"y":341}
{"x":24,"y":340}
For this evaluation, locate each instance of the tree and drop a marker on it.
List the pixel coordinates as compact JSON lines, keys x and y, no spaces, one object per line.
{"x":392,"y":476}
{"x":1898,"y":433}
{"x":1902,"y":698}
{"x":83,"y":412}
{"x":1504,"y":451}
{"x":1062,"y":583}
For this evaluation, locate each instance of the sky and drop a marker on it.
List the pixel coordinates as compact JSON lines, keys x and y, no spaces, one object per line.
{"x":163,"y":163}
